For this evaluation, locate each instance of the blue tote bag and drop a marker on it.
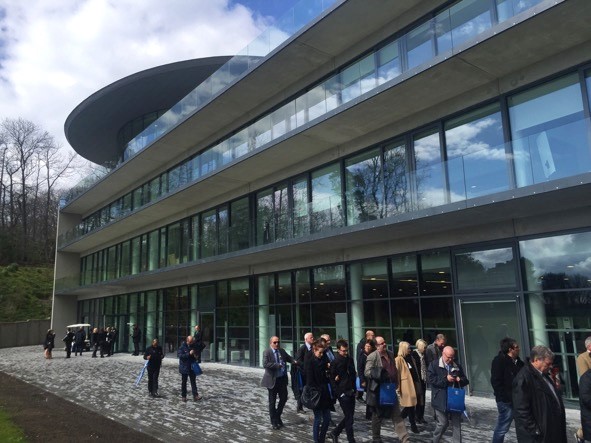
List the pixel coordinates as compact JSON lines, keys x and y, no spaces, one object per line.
{"x":388,"y":395}
{"x":456,"y":399}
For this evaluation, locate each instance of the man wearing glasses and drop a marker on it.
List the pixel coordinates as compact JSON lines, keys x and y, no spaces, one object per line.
{"x":275,"y":379}
{"x":381,"y":368}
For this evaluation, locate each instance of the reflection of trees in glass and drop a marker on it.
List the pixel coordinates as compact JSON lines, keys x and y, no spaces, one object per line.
{"x":326,"y":199}
{"x":396,"y":190}
{"x":365,"y":190}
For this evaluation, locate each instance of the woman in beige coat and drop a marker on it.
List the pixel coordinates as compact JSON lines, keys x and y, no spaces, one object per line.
{"x":406,"y":385}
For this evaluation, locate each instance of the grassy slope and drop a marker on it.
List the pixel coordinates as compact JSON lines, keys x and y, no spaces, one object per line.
{"x":25,"y":292}
{"x":8,"y":431}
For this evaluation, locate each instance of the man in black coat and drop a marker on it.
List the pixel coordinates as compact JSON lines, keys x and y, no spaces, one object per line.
{"x":585,"y":401}
{"x":537,"y":406}
{"x":343,"y":375}
{"x":154,"y":354}
{"x":304,"y":350}
{"x":68,"y":339}
{"x":198,"y":345}
{"x":135,"y":337}
{"x":79,"y":341}
{"x":503,"y":370}
{"x":275,"y":379}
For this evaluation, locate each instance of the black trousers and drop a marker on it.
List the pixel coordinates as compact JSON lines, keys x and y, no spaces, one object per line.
{"x":191,"y":376}
{"x":153,"y":374}
{"x":279,"y":390}
{"x":68,"y":350}
{"x":347,"y":403}
{"x":136,"y":348}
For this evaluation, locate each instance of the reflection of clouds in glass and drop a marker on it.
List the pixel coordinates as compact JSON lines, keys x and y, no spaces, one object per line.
{"x":431,"y":196}
{"x":473,"y":27}
{"x":467,"y":140}
{"x":570,"y":254}
{"x":427,"y":149}
{"x":491,"y":258}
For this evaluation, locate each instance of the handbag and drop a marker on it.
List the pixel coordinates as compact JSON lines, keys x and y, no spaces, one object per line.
{"x":310,"y":397}
{"x":456,"y":399}
{"x":388,"y":395}
{"x":196,"y":368}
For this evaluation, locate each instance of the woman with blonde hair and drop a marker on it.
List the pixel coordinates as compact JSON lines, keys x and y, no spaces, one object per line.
{"x":406,"y":386}
{"x":418,"y":356}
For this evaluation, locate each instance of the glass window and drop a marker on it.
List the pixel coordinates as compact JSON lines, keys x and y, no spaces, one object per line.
{"x":369,"y":280}
{"x":301,"y":218}
{"x":326,"y":198}
{"x":435,"y":277}
{"x":550,"y":138}
{"x":223,"y":228}
{"x":396,"y":187}
{"x":508,"y":8}
{"x":209,"y":234}
{"x":144,"y":253}
{"x":173,"y":252}
{"x":316,"y":102}
{"x":560,"y":320}
{"x":239,"y":292}
{"x":388,"y":59}
{"x":240,"y":224}
{"x":125,"y":258}
{"x":350,"y":84}
{"x":153,"y":248}
{"x":364,"y":193}
{"x":135,"y":255}
{"x":438,"y":318}
{"x":558,"y":262}
{"x":329,"y":283}
{"x":367,"y":73}
{"x":476,"y":158}
{"x":265,"y":217}
{"x":195,"y":238}
{"x":469,"y":18}
{"x":419,"y":45}
{"x":429,"y":176}
{"x":406,"y":320}
{"x":404,"y":276}
{"x":488,"y":269}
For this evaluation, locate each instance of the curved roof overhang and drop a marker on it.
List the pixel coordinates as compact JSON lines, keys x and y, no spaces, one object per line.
{"x":92,"y":127}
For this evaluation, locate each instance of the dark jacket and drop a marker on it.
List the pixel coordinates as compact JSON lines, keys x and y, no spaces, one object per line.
{"x":185,"y":358}
{"x":432,"y":353}
{"x":69,"y":338}
{"x":361,"y":362}
{"x":539,"y":414}
{"x":136,"y":335}
{"x":49,"y":342}
{"x":300,"y":358}
{"x":585,"y":401}
{"x":80,"y":337}
{"x":344,"y":368}
{"x":503,"y":370}
{"x":316,"y":376}
{"x":272,"y":367}
{"x":437,"y":377}
{"x":156,"y":355}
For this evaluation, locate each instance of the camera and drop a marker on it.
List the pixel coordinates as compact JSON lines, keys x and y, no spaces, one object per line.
{"x":454,"y":372}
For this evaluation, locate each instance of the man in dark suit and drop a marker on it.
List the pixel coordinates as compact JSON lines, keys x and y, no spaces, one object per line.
{"x":304,"y":350}
{"x":275,"y":379}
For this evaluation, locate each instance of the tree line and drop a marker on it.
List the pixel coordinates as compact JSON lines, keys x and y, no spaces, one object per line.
{"x":32,"y":167}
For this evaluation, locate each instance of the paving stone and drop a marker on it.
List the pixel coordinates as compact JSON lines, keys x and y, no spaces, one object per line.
{"x":233,"y":408}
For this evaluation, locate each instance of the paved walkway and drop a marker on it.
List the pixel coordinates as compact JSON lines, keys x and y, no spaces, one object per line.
{"x":233,"y":409}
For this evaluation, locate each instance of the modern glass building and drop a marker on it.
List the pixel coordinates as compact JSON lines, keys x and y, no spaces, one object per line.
{"x":426,"y":172}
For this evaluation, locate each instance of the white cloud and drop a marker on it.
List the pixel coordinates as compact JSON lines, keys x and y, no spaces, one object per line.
{"x":59,"y":52}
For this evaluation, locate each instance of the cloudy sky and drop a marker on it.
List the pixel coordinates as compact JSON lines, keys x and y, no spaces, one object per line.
{"x":54,"y":54}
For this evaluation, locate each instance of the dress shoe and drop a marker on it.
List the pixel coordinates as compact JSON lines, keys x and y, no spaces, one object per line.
{"x":334,"y":437}
{"x":184,"y":399}
{"x":275,"y":427}
{"x":414,"y":429}
{"x":197,"y":398}
{"x":280,"y":423}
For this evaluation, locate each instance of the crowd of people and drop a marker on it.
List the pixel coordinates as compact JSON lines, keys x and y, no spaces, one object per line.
{"x":525,"y":392}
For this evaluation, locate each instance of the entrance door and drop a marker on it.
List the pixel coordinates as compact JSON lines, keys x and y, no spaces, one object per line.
{"x":484,"y":323}
{"x":207,"y":328}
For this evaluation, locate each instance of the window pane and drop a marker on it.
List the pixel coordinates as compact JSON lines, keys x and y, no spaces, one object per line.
{"x":468,"y":19}
{"x":559,"y":262}
{"x":329,"y":283}
{"x":350,"y":84}
{"x":488,"y":269}
{"x":438,"y":318}
{"x":430,"y":180}
{"x":173,"y":252}
{"x":209,"y":234}
{"x":388,"y":59}
{"x":239,"y":231}
{"x":396,"y":187}
{"x":549,"y":134}
{"x":369,"y":280}
{"x":153,"y":245}
{"x":265,"y":217}
{"x":476,"y":159}
{"x":404,"y":276}
{"x":326,"y":198}
{"x":419,"y":45}
{"x":301,"y":219}
{"x":406,"y":320}
{"x":281,"y":213}
{"x":364,"y":193}
{"x":435,"y":273}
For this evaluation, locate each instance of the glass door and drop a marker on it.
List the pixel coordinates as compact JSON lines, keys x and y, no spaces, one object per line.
{"x":483,"y":324}
{"x":121,"y":325}
{"x":207,"y":328}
